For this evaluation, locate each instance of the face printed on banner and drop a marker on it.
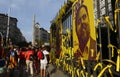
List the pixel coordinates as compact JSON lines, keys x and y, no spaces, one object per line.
{"x":82,"y":25}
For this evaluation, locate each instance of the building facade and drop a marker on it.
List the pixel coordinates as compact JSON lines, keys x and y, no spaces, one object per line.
{"x":40,"y":35}
{"x":10,"y":31}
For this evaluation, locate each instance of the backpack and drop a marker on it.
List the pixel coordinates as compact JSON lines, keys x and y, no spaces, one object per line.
{"x":40,"y":55}
{"x":31,"y":57}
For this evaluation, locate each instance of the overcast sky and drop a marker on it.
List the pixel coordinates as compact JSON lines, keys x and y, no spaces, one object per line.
{"x":23,"y":10}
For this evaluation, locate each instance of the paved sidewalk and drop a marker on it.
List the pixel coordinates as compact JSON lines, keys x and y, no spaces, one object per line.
{"x":52,"y":71}
{"x":55,"y":72}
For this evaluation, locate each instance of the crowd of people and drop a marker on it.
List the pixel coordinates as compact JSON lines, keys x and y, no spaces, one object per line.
{"x":33,"y":60}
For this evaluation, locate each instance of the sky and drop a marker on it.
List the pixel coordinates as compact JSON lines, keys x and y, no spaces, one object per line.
{"x":24,"y":10}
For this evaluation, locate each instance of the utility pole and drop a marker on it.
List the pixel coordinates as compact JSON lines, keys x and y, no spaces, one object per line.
{"x":33,"y":33}
{"x":8,"y":28}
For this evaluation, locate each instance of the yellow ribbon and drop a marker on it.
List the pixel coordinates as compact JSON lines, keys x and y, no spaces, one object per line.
{"x":118,"y":61}
{"x":103,"y":70}
{"x":82,"y":62}
{"x":96,"y":66}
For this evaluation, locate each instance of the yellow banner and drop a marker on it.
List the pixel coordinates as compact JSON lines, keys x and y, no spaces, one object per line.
{"x":84,"y":38}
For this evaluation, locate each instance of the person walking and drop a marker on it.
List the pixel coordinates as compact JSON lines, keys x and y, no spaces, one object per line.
{"x":43,"y":62}
{"x":29,"y":60}
{"x":11,"y":61}
{"x":21,"y":60}
{"x":36,"y":61}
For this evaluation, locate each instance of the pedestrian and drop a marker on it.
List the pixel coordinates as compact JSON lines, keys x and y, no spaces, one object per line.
{"x":21,"y":62}
{"x":36,"y":61}
{"x":29,"y":60}
{"x":11,"y":61}
{"x":44,"y":61}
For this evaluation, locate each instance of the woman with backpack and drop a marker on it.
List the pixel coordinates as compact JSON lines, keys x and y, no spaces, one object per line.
{"x":43,"y":61}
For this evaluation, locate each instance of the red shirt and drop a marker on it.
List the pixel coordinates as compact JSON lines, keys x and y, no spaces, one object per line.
{"x":22,"y":54}
{"x":28,"y":53}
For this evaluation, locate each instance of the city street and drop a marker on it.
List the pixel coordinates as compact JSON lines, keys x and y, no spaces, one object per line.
{"x":60,"y":38}
{"x":52,"y":71}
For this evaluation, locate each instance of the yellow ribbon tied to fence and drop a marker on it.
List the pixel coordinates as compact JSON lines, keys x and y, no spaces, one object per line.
{"x":118,"y":61}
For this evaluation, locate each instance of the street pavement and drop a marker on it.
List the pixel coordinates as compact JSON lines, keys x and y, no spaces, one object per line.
{"x":52,"y":71}
{"x":55,"y":72}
